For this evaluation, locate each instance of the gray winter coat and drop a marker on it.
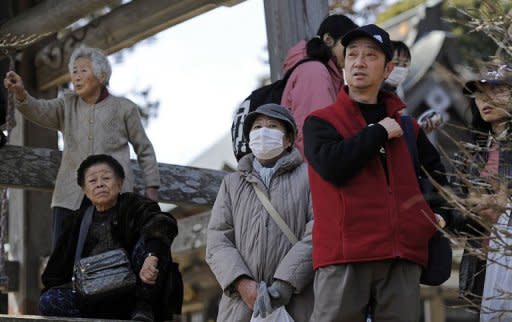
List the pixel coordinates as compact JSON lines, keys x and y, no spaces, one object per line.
{"x":244,"y":240}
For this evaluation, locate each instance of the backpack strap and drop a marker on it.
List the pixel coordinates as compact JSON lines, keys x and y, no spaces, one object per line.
{"x":424,"y":183}
{"x":275,"y":215}
{"x":410,"y":139}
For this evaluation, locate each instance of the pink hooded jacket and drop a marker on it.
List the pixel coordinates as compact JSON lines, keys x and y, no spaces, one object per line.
{"x":311,"y":87}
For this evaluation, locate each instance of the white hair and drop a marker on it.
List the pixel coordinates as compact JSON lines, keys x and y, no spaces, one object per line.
{"x":99,"y":61}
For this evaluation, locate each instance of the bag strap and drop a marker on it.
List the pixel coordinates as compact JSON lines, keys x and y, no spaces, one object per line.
{"x":410,"y":139}
{"x":275,"y":215}
{"x":84,"y":229}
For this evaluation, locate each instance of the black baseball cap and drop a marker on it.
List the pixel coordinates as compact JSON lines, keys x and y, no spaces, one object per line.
{"x":373,"y":32}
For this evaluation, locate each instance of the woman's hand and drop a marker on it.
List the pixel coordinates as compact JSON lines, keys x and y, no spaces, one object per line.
{"x":248,"y":290}
{"x":14,"y":84}
{"x":152,"y":193}
{"x":491,"y":214}
{"x":490,"y":206}
{"x":149,"y":271}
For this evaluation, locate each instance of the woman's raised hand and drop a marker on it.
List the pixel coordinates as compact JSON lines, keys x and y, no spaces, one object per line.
{"x":14,"y":84}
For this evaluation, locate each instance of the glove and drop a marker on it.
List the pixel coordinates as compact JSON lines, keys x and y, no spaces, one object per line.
{"x":280,"y":293}
{"x":262,"y":305}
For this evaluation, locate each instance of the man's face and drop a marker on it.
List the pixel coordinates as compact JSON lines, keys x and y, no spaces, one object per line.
{"x":365,"y":65}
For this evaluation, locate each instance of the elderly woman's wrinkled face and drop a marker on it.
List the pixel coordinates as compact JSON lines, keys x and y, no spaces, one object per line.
{"x":86,"y":84}
{"x":102,"y":186}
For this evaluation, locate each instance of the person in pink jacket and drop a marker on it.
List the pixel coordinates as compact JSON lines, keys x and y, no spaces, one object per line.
{"x":315,"y":84}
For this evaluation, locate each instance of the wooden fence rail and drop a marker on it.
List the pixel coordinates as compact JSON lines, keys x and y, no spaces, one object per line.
{"x":36,"y":169}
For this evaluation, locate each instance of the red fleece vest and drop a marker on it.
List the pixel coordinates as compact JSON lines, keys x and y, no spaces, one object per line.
{"x":367,"y":219}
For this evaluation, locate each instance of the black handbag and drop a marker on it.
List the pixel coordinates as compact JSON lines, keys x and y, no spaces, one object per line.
{"x":439,"y":266}
{"x":106,"y":274}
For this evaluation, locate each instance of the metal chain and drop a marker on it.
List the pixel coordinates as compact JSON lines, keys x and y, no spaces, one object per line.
{"x":4,"y":205}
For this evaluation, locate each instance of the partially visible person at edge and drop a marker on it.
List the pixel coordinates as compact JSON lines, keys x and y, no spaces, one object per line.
{"x":92,"y":121}
{"x":120,"y":220}
{"x":393,"y":83}
{"x":372,"y":223}
{"x":250,"y":256}
{"x":316,"y":84}
{"x":485,"y":277}
{"x":3,"y":112}
{"x":401,"y":63}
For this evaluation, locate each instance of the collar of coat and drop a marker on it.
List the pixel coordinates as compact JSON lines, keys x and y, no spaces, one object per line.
{"x":290,"y":161}
{"x":392,"y":103}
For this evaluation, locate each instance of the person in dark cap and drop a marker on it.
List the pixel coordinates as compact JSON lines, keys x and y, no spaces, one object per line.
{"x":372,"y":223}
{"x":485,"y":277}
{"x":262,"y":265}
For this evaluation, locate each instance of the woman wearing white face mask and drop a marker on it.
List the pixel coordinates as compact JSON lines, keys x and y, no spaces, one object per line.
{"x":257,"y":265}
{"x":431,"y":119}
{"x":402,"y":61}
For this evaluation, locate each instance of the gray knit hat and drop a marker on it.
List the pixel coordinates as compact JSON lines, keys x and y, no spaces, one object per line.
{"x":275,"y":111}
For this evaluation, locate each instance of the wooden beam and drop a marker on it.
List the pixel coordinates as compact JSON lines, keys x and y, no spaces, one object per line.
{"x":121,"y":28}
{"x":289,"y":21}
{"x":46,"y":18}
{"x":36,"y":169}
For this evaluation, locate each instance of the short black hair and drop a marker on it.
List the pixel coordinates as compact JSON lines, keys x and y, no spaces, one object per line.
{"x":401,"y":48}
{"x":98,"y":159}
{"x":336,"y":25}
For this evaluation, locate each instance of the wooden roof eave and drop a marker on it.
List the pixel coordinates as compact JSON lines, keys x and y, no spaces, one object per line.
{"x":120,"y":28}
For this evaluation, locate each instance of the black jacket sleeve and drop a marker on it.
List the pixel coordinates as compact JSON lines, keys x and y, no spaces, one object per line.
{"x":140,"y":217}
{"x":338,"y":159}
{"x":430,"y":161}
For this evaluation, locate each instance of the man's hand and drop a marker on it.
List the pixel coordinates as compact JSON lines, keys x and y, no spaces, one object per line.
{"x":248,"y":290}
{"x":392,"y":127}
{"x":151,"y":193}
{"x":149,"y":271}
{"x":14,"y":84}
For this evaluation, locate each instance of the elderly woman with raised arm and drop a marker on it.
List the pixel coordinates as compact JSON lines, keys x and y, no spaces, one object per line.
{"x":92,"y":121}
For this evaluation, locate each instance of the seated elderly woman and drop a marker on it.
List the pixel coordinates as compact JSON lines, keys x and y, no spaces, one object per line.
{"x":258,"y":266}
{"x":92,"y":121}
{"x":125,"y":220}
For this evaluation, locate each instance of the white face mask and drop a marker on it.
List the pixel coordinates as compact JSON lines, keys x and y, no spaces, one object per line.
{"x":266,"y":143}
{"x":397,"y":76}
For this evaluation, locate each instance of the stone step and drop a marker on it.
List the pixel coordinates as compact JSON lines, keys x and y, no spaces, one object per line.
{"x":32,"y":318}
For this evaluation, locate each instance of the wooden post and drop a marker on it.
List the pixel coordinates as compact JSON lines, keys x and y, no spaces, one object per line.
{"x":289,"y":21}
{"x":29,"y":211}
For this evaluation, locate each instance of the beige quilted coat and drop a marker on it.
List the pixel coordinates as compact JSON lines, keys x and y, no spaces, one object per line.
{"x":106,"y":127}
{"x":244,"y":240}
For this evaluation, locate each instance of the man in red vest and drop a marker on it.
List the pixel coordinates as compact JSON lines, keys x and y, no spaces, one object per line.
{"x":372,"y":224}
